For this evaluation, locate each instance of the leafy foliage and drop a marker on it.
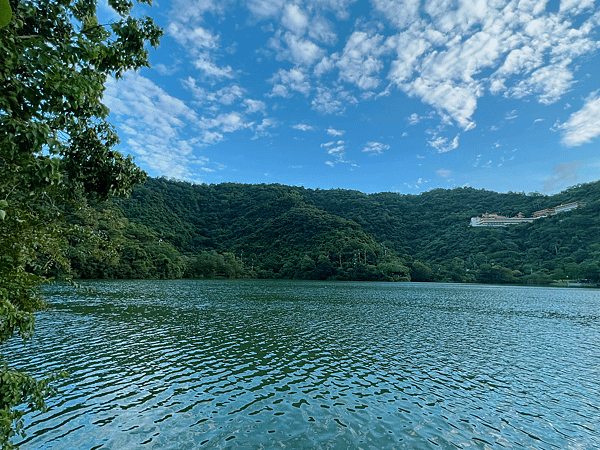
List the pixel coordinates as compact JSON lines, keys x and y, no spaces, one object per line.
{"x":270,"y":230}
{"x":112,"y":247}
{"x":291,"y":232}
{"x":5,"y":13}
{"x":56,"y":148}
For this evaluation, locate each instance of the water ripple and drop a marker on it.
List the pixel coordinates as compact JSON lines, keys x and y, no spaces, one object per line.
{"x":252,"y":365}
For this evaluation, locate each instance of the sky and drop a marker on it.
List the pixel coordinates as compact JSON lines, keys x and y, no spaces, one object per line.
{"x":377,"y":96}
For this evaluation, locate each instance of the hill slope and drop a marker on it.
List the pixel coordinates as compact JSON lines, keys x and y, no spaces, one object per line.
{"x":280,"y":229}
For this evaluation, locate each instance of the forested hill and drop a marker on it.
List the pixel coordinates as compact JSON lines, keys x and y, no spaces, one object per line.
{"x":286,"y":231}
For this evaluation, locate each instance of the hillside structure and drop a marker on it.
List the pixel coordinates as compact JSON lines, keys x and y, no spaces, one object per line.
{"x":495,"y":220}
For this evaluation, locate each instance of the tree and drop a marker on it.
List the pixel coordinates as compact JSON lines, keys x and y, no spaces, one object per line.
{"x":56,"y":147}
{"x":421,"y":272}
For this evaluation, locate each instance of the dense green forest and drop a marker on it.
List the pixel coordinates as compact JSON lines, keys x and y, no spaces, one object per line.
{"x":172,"y":229}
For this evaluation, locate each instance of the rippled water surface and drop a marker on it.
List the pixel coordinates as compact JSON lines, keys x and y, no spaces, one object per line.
{"x":299,"y":365}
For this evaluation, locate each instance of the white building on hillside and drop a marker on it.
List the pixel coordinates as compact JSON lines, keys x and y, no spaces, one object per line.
{"x":494,"y":220}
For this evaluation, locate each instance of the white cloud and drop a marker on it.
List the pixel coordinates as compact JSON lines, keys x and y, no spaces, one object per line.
{"x":321,"y":30}
{"x":458,"y":49}
{"x":339,"y":7}
{"x":326,"y":65}
{"x":459,"y":101}
{"x":410,"y":47}
{"x":265,"y":8}
{"x":254,"y":106}
{"x":333,"y":132}
{"x":447,"y":18}
{"x":575,"y":6}
{"x":447,"y":54}
{"x":375,"y":148}
{"x":196,"y":36}
{"x":286,"y":80}
{"x":145,"y":103}
{"x":266,"y":123}
{"x":164,"y":70}
{"x":200,"y":43}
{"x":444,"y":173}
{"x":414,"y":118}
{"x":520,"y":60}
{"x":301,"y":52}
{"x":261,"y":129}
{"x":359,"y":62}
{"x":463,"y":60}
{"x":584,"y":125}
{"x":302,"y":127}
{"x":226,"y":122}
{"x":227,"y":95}
{"x":337,"y":150}
{"x":211,"y":137}
{"x":399,"y":12}
{"x":230,"y":94}
{"x":279,"y":90}
{"x":156,"y":124}
{"x":326,"y":102}
{"x":551,"y":38}
{"x":442,"y":145}
{"x":294,"y":19}
{"x":185,"y":11}
{"x":211,"y":70}
{"x":549,"y":82}
{"x":198,"y":92}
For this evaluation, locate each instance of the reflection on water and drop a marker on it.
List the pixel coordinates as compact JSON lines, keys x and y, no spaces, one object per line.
{"x":257,"y":365}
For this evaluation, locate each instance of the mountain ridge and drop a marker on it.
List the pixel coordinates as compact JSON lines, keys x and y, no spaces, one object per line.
{"x":273,"y":230}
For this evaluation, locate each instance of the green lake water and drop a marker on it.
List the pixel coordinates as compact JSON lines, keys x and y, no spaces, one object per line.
{"x":316,"y":365}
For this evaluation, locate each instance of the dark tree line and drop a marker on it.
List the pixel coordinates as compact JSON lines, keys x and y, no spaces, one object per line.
{"x":174,"y":229}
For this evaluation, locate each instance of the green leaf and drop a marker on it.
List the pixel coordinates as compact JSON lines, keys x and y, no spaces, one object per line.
{"x":2,"y":214}
{"x":5,"y":13}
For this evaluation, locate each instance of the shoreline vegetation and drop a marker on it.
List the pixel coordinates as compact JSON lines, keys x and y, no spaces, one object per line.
{"x":56,"y":152}
{"x":171,"y":229}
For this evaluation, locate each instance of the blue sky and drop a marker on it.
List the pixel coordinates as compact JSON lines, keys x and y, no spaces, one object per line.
{"x":380,"y":95}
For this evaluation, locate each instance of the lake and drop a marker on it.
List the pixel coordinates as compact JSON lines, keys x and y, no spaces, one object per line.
{"x":325,"y":365}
